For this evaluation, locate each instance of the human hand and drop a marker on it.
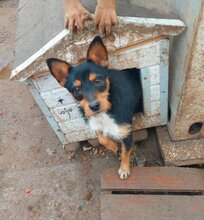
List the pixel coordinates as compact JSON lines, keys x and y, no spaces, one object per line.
{"x":75,"y":15}
{"x":105,"y":16}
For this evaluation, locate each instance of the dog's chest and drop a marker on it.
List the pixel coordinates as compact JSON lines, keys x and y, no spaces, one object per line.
{"x":104,"y":123}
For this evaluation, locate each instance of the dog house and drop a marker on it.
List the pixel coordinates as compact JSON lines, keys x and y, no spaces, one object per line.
{"x":135,"y":42}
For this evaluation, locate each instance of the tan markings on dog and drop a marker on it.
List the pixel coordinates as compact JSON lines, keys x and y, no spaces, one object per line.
{"x":107,"y":142}
{"x":124,"y":170}
{"x":77,"y":83}
{"x":98,"y":55}
{"x":85,"y":105}
{"x":92,"y":77}
{"x":82,"y":60}
{"x":60,"y":70}
{"x":103,"y":98}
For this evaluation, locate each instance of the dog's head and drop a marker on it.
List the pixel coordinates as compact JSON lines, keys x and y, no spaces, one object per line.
{"x":87,"y":82}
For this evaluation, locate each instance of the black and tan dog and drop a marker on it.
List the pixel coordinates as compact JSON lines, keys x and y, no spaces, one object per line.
{"x":108,"y":98}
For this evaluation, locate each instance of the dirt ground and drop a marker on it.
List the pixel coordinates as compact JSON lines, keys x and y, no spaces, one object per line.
{"x":38,"y":178}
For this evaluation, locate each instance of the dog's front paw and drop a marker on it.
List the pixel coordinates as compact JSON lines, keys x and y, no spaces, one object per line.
{"x":123,"y":173}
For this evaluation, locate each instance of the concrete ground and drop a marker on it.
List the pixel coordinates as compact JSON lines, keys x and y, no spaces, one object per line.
{"x":38,"y":178}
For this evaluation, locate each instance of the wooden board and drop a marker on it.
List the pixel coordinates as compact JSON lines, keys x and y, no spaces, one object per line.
{"x":57,"y":97}
{"x":46,"y":83}
{"x":154,"y":193}
{"x":67,"y":113}
{"x":80,"y":136}
{"x":152,"y":207}
{"x":137,"y":55}
{"x":155,"y":179}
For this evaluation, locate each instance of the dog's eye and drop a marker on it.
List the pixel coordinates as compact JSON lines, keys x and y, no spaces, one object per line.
{"x":77,"y":93}
{"x":99,"y":82}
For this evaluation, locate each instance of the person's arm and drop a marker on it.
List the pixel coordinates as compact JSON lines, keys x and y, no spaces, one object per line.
{"x":75,"y":15}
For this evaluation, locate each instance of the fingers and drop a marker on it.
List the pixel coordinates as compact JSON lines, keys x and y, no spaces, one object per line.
{"x":71,"y":24}
{"x":86,"y":16}
{"x":107,"y":29}
{"x":104,"y":24}
{"x":76,"y":22}
{"x":96,"y":18}
{"x":80,"y":23}
{"x":114,"y":18}
{"x":104,"y":27}
{"x":105,"y":17}
{"x":75,"y":15}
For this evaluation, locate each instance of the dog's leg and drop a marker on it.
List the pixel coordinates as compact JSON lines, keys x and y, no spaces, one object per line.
{"x":124,"y":170}
{"x":108,"y":143}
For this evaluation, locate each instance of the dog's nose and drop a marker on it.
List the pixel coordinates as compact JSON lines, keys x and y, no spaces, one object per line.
{"x":95,"y":106}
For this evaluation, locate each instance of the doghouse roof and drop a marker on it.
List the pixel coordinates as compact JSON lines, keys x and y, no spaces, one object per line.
{"x":128,"y":33}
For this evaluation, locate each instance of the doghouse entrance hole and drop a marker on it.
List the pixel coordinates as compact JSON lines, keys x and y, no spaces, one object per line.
{"x":195,"y":128}
{"x":139,"y":85}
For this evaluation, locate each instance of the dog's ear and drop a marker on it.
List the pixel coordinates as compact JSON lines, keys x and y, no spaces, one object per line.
{"x":97,"y":52}
{"x":59,"y":69}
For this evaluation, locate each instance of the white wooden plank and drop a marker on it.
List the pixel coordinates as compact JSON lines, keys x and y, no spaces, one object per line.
{"x":155,"y":107}
{"x":155,"y":92}
{"x":39,"y":53}
{"x":65,"y":113}
{"x":57,"y":97}
{"x":154,"y":74}
{"x":152,"y":22}
{"x":80,"y":136}
{"x":70,"y":126}
{"x":140,"y":57}
{"x":146,"y":90}
{"x":164,"y":51}
{"x":134,"y":56}
{"x":45,"y":83}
